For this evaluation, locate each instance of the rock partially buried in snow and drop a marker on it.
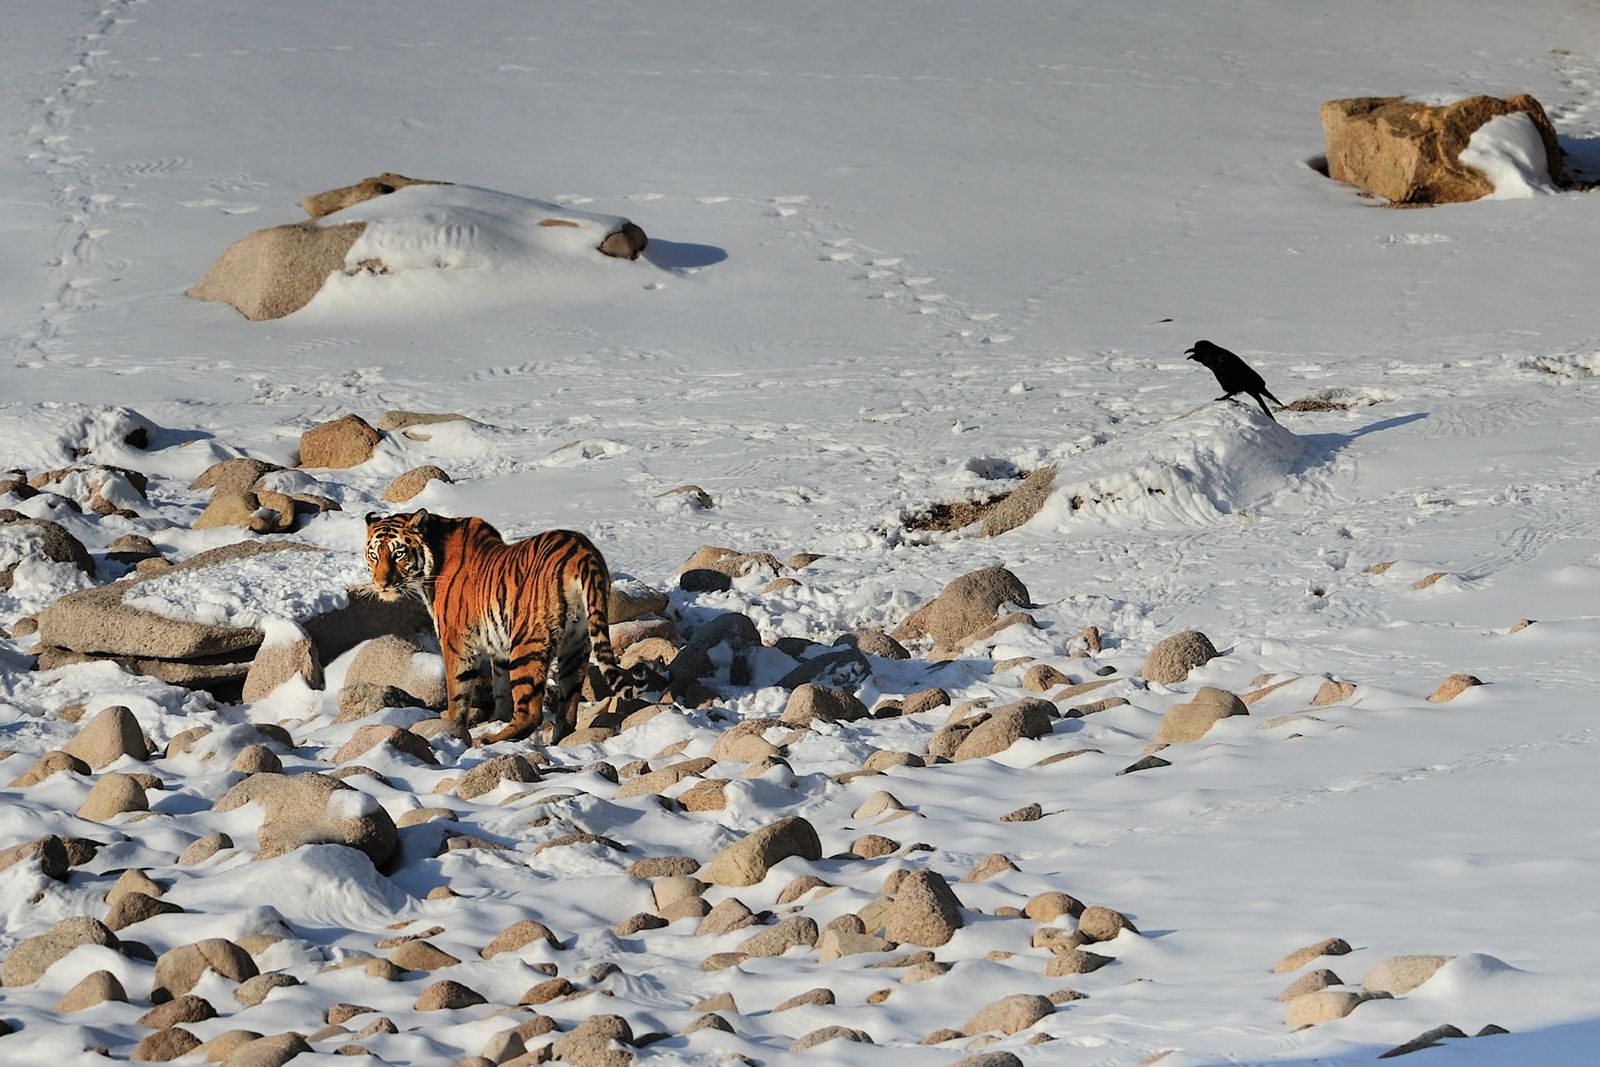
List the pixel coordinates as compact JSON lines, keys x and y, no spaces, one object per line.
{"x":1187,"y":723}
{"x":1399,"y":975}
{"x":112,"y":734}
{"x":1174,"y":657}
{"x":391,"y":225}
{"x":746,"y":861}
{"x":112,"y":795}
{"x":347,"y":441}
{"x":1453,"y":687}
{"x":412,"y":482}
{"x":27,"y":962}
{"x":1333,"y":946}
{"x":925,"y":911}
{"x":1004,"y":727}
{"x":1323,"y":1006}
{"x":179,"y":970}
{"x":1409,"y":151}
{"x":287,"y":654}
{"x":1009,"y":1015}
{"x":964,"y":606}
{"x":313,"y":809}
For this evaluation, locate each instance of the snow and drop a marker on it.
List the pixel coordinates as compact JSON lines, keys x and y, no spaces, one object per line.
{"x":899,"y":253}
{"x":1510,"y":152}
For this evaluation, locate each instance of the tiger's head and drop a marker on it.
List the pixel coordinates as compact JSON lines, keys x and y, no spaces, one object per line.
{"x":399,"y":554}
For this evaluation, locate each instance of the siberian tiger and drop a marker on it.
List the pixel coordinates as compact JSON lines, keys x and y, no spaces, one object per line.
{"x":526,"y":607}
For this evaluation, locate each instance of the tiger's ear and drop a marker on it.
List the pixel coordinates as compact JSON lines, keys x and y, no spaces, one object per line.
{"x":373,"y":518}
{"x":419,"y":519}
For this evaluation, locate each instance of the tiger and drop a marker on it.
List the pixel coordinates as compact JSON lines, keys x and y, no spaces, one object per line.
{"x":531,"y":608}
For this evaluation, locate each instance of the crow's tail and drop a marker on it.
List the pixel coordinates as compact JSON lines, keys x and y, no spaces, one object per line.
{"x":1264,"y":409}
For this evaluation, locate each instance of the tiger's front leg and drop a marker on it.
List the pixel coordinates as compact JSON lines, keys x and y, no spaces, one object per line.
{"x":526,"y":672}
{"x":462,"y":677}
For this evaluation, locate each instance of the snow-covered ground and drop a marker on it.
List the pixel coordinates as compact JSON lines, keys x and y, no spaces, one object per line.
{"x":899,"y":253}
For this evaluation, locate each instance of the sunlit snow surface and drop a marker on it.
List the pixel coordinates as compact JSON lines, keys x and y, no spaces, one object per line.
{"x":900,"y":254}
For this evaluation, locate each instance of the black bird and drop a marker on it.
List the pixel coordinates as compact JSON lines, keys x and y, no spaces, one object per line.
{"x":1233,"y":374}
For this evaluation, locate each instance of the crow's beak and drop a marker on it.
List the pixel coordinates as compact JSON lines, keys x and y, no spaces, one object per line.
{"x":1189,"y":352}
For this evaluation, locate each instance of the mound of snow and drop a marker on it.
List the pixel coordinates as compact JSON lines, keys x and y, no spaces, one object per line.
{"x":1510,"y":153}
{"x":253,"y":590}
{"x":455,"y":241}
{"x":52,"y":435}
{"x":1197,"y":468}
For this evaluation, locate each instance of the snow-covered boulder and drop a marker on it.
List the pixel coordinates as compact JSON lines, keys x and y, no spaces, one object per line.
{"x":1410,"y":151}
{"x":391,"y":225}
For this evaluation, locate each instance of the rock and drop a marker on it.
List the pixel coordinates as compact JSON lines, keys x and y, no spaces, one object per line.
{"x":272,"y":1051}
{"x":421,"y":956}
{"x":829,"y":1033}
{"x":365,"y":699}
{"x":257,"y":759}
{"x":96,"y":987}
{"x":447,"y":995}
{"x":657,"y":782}
{"x":925,"y":911}
{"x":626,"y":243}
{"x":746,"y":861}
{"x":32,"y":956}
{"x":1323,"y":1006}
{"x":709,"y":795}
{"x":713,"y":569}
{"x":663,"y":866}
{"x":326,"y":203}
{"x":30,"y":538}
{"x":412,"y":482}
{"x":46,"y":765}
{"x":667,"y":891}
{"x":1146,"y":763}
{"x":545,"y":992}
{"x":133,"y":881}
{"x":49,"y":851}
{"x":998,"y":1058}
{"x":589,"y":1044}
{"x":835,"y":943}
{"x":277,"y":662}
{"x":1171,"y":660}
{"x":776,"y":940}
{"x":313,"y":809}
{"x":135,"y":907}
{"x":1409,"y":152}
{"x":1399,"y":975}
{"x":112,"y":795}
{"x":403,"y":741}
{"x":1096,"y":923}
{"x":185,"y":1009}
{"x":347,"y":441}
{"x":164,"y":1045}
{"x":519,"y":935}
{"x":810,"y":702}
{"x":1426,"y":1039}
{"x":743,"y":742}
{"x":986,"y":868}
{"x":1332,"y":946}
{"x":253,"y":991}
{"x":233,"y":476}
{"x":819,"y":996}
{"x":965,"y":604}
{"x":1005,"y":726}
{"x":1186,"y":723}
{"x":1041,"y":678}
{"x":1019,"y":505}
{"x":924,"y":700}
{"x":1075,"y":961}
{"x":1009,"y":1015}
{"x":1453,"y":687}
{"x":874,"y":643}
{"x":844,"y":668}
{"x":107,"y":737}
{"x":487,"y":776}
{"x":1052,"y":905}
{"x":1027,"y":813}
{"x":874,"y":846}
{"x":275,"y":272}
{"x":1310,"y":982}
{"x":728,"y":915}
{"x":629,"y":600}
{"x":1332,"y":692}
{"x":179,"y":969}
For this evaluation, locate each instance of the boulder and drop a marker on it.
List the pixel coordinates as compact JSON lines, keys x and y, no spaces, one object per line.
{"x":519,"y":935}
{"x":97,"y":987}
{"x":1331,"y":946}
{"x":311,"y":809}
{"x":30,"y":538}
{"x":233,"y":476}
{"x":392,"y":660}
{"x":52,"y":762}
{"x":326,"y":203}
{"x":746,"y":861}
{"x":963,"y":606}
{"x":925,"y":911}
{"x":412,"y":482}
{"x":347,"y":441}
{"x":713,"y":569}
{"x":276,"y":662}
{"x":112,"y":795}
{"x":1409,"y":152}
{"x":1323,"y":1006}
{"x":1399,"y":975}
{"x":1019,"y":505}
{"x":135,"y":907}
{"x":1097,"y":923}
{"x":178,"y":970}
{"x":164,"y":1045}
{"x":810,"y":703}
{"x":1186,"y":723}
{"x":1174,"y":657}
{"x":776,"y":940}
{"x":275,"y":1050}
{"x":109,"y":736}
{"x":394,"y":737}
{"x":27,"y":962}
{"x":487,"y":776}
{"x":1009,"y":1015}
{"x":49,"y":851}
{"x":1005,"y":726}
{"x":1453,"y":687}
{"x":275,"y":272}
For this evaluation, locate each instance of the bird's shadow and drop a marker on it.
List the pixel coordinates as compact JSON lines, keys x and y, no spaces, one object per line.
{"x":1322,"y":448}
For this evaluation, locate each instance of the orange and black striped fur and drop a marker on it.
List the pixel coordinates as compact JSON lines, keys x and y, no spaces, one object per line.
{"x":532,"y":608}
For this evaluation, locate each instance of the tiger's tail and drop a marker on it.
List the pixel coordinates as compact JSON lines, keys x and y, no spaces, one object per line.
{"x":595,"y":581}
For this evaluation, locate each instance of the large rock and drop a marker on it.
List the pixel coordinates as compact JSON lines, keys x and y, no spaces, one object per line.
{"x":112,"y":795}
{"x":1009,"y":1015}
{"x":1323,"y":1006}
{"x":1174,"y":657}
{"x":27,"y":538}
{"x":746,"y":861}
{"x":1005,"y":726}
{"x":313,"y":809}
{"x":1019,"y":505}
{"x":1187,"y":723}
{"x":277,"y":662}
{"x":109,"y":736}
{"x":347,"y":441}
{"x":1399,"y":975}
{"x":398,"y":661}
{"x":810,"y":703}
{"x":1409,"y":152}
{"x":412,"y":482}
{"x":275,"y":272}
{"x":28,"y":961}
{"x":966,"y":604}
{"x":179,"y":970}
{"x":925,"y":911}
{"x":326,"y":203}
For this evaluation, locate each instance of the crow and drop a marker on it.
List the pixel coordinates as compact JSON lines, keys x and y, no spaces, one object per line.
{"x":1233,"y":374}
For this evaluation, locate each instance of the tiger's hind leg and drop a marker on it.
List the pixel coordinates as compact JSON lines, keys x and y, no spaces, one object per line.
{"x":572,"y":664}
{"x":527,"y":670}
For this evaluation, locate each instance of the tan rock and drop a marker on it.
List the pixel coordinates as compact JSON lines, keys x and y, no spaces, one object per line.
{"x":302,"y":810}
{"x":1310,"y":982}
{"x":275,"y":664}
{"x":219,"y":1048}
{"x":1332,"y":692}
{"x":112,"y":795}
{"x":421,"y":956}
{"x":545,"y":992}
{"x":179,"y":969}
{"x":1322,"y":1006}
{"x":829,"y":1033}
{"x":253,"y":991}
{"x":1409,"y":152}
{"x":49,"y":852}
{"x":106,"y":738}
{"x":1009,"y":1015}
{"x":1186,"y":723}
{"x":1399,"y":975}
{"x":32,"y":956}
{"x":728,"y":915}
{"x":404,"y":741}
{"x":133,"y":881}
{"x":326,"y":203}
{"x":274,"y":1050}
{"x":135,"y":907}
{"x":275,"y":272}
{"x":1453,"y":687}
{"x":50,"y":763}
{"x":1028,"y":718}
{"x":347,"y":441}
{"x":412,"y":482}
{"x":1331,"y":946}
{"x":164,"y":1045}
{"x":518,"y":936}
{"x":925,"y":911}
{"x":1171,"y":660}
{"x":96,"y":987}
{"x":185,"y":1009}
{"x":1041,"y":678}
{"x":746,"y":861}
{"x":446,"y":996}
{"x":965,"y":604}
{"x":778,"y":939}
{"x":1075,"y":961}
{"x":1098,"y":923}
{"x":812,"y":703}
